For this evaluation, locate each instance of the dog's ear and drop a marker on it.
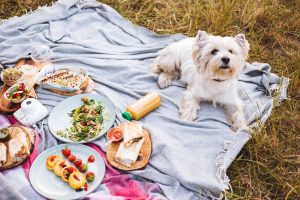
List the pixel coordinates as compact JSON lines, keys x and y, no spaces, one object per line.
{"x":243,"y":43}
{"x":201,"y":36}
{"x":200,"y":39}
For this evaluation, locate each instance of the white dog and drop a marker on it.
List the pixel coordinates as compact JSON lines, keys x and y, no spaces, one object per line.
{"x":210,"y":66}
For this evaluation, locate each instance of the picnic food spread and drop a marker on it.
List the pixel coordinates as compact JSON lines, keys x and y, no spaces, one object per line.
{"x":128,"y":142}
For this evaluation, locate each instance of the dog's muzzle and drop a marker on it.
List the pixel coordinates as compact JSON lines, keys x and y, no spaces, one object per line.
{"x":224,"y":67}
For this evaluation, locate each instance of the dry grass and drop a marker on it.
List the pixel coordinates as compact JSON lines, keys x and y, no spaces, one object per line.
{"x":269,"y":165}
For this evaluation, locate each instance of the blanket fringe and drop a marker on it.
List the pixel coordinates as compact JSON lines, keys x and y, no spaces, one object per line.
{"x":221,"y":170}
{"x":78,"y":3}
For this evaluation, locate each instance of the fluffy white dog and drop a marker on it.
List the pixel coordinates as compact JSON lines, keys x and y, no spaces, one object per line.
{"x":210,"y":66}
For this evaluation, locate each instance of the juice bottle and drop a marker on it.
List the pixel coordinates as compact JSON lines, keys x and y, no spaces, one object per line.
{"x":142,"y":107}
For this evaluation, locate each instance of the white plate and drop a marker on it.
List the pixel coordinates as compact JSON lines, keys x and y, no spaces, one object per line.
{"x":59,"y":118}
{"x":50,"y":186}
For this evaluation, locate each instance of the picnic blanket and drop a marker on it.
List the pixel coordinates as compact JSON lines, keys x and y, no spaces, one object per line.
{"x":189,"y":159}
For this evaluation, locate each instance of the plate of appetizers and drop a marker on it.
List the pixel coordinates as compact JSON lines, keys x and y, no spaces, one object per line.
{"x":82,"y":118}
{"x":16,"y":144}
{"x":129,"y":146}
{"x":67,"y":171}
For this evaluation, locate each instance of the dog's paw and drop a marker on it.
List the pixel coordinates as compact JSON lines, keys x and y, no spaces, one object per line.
{"x":238,"y":123}
{"x":163,"y":81}
{"x":188,"y":116}
{"x":155,"y":69}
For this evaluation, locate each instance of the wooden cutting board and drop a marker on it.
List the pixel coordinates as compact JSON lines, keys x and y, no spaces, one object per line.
{"x":30,"y":135}
{"x":143,"y":157}
{"x":7,"y":106}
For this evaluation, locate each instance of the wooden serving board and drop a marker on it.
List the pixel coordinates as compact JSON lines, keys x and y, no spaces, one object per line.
{"x":30,"y":141}
{"x":86,"y":87}
{"x":7,"y":106}
{"x":143,"y":157}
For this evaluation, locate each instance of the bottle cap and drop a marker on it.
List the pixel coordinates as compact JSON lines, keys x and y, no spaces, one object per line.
{"x":127,"y":115}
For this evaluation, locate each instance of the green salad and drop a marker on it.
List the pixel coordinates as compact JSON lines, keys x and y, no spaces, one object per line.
{"x":87,"y":121}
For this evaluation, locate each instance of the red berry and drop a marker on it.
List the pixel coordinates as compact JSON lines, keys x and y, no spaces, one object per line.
{"x":71,"y":169}
{"x":71,"y":158}
{"x":83,"y":168}
{"x":66,"y":152}
{"x":78,"y":162}
{"x":90,"y":176}
{"x":86,"y":186}
{"x":91,"y":159}
{"x":62,"y":163}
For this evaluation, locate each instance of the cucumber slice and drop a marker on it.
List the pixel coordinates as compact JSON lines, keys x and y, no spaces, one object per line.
{"x":4,"y":135}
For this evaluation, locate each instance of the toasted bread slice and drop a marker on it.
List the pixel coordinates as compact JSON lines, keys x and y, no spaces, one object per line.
{"x":77,"y":180}
{"x":18,"y":147}
{"x":52,"y":160}
{"x":66,"y":172}
{"x":59,"y":167}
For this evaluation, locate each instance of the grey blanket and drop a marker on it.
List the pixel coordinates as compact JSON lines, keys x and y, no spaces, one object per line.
{"x":189,"y":159}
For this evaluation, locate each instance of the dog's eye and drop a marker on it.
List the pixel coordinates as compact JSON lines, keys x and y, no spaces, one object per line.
{"x":230,"y":51}
{"x":213,"y":52}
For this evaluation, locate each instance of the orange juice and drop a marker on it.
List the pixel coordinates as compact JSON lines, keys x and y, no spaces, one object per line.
{"x":142,"y":107}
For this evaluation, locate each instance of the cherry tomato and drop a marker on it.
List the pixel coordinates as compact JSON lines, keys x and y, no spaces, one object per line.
{"x":22,"y":86}
{"x":116,"y":133}
{"x":91,"y":159}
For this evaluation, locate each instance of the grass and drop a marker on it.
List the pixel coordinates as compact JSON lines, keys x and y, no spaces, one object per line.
{"x":268,"y":167}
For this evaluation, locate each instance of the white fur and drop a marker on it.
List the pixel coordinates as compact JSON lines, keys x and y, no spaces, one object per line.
{"x":196,"y":62}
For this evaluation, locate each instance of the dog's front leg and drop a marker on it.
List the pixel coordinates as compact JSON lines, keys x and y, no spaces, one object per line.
{"x":188,"y":106}
{"x":235,"y":116}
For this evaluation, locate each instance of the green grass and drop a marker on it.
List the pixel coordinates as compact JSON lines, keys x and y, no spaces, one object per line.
{"x":268,"y":167}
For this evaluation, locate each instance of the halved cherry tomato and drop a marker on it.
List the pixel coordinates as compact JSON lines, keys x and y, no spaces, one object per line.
{"x":116,"y":133}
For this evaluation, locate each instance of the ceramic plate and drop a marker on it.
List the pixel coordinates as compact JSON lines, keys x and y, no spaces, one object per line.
{"x":59,"y":118}
{"x":50,"y":186}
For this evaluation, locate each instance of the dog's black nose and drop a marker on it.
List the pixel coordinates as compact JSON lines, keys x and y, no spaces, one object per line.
{"x":225,"y":60}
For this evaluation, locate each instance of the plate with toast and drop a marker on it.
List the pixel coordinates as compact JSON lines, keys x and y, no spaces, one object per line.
{"x":16,"y":144}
